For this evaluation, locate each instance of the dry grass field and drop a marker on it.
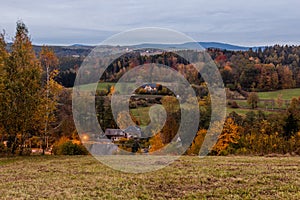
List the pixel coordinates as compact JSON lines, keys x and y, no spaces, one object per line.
{"x":83,"y":177}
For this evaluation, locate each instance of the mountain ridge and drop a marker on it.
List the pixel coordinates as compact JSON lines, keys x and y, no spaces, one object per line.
{"x":205,"y":45}
{"x":84,"y":50}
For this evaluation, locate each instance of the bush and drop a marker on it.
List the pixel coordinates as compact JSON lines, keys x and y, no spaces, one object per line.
{"x":229,"y":103}
{"x":69,"y":148}
{"x":223,"y":153}
{"x":231,"y":86}
{"x":132,"y":105}
{"x":234,"y":104}
{"x":25,"y":151}
{"x":102,"y":92}
{"x":3,"y":149}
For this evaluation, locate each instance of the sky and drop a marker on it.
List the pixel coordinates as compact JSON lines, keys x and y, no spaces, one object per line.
{"x":240,"y":22}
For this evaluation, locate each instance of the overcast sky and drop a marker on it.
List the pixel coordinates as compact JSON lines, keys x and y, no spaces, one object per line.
{"x":242,"y":22}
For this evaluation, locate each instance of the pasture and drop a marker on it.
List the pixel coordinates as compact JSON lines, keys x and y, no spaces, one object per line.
{"x":83,"y":177}
{"x":287,"y":94}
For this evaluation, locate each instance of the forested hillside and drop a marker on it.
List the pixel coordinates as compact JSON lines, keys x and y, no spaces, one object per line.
{"x":270,"y":68}
{"x":36,"y":106}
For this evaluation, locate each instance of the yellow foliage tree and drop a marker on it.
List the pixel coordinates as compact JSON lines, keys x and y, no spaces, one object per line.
{"x":229,"y":135}
{"x":112,"y":90}
{"x":197,"y":143}
{"x":50,"y":93}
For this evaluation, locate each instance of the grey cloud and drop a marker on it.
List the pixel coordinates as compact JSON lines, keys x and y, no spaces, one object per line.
{"x":91,"y":21}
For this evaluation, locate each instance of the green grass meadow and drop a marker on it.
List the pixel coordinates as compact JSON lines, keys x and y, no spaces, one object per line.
{"x":265,"y":103}
{"x":287,"y":94}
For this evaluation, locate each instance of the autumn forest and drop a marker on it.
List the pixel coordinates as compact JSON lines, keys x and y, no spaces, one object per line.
{"x":36,"y":100}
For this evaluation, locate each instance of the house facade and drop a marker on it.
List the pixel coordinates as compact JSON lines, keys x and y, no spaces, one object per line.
{"x":129,"y":132}
{"x":115,"y":134}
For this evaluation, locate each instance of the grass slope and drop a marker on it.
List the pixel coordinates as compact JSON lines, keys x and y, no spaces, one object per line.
{"x":82,"y":177}
{"x":265,"y":101}
{"x":287,"y":94}
{"x":142,"y":113}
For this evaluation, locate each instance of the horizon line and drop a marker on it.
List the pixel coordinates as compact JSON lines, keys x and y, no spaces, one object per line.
{"x":218,"y":42}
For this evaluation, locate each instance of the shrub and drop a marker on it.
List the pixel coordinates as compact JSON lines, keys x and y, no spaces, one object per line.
{"x":231,"y":86}
{"x":234,"y":104}
{"x":223,"y":153}
{"x":3,"y":149}
{"x":229,"y":103}
{"x":102,"y":92}
{"x":69,"y":148}
{"x":26,"y":151}
{"x":132,"y":105}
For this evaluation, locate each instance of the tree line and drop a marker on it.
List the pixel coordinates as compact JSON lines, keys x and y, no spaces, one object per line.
{"x":28,"y":93}
{"x":263,"y":69}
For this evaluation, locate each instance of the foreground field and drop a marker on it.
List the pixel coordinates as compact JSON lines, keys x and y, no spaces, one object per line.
{"x":82,"y":177}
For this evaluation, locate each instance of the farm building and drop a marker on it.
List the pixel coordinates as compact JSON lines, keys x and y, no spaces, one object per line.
{"x":115,"y":134}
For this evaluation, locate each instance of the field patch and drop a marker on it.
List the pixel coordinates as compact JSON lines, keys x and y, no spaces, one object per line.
{"x":83,"y":177}
{"x":287,"y":94}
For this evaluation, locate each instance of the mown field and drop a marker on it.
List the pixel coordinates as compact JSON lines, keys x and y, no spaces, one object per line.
{"x":82,"y":177}
{"x":265,"y":104}
{"x":243,"y":112}
{"x":141,"y":113}
{"x":287,"y":94}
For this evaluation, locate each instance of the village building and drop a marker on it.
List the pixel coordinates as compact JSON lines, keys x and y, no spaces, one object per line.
{"x":115,"y":134}
{"x":129,"y":132}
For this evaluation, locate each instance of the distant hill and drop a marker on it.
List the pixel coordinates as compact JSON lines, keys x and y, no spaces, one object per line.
{"x":84,"y":50}
{"x":205,"y":45}
{"x":224,"y":46}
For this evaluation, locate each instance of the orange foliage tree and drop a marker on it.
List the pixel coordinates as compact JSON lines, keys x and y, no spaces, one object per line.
{"x":197,"y":143}
{"x":156,"y":143}
{"x":229,"y":135}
